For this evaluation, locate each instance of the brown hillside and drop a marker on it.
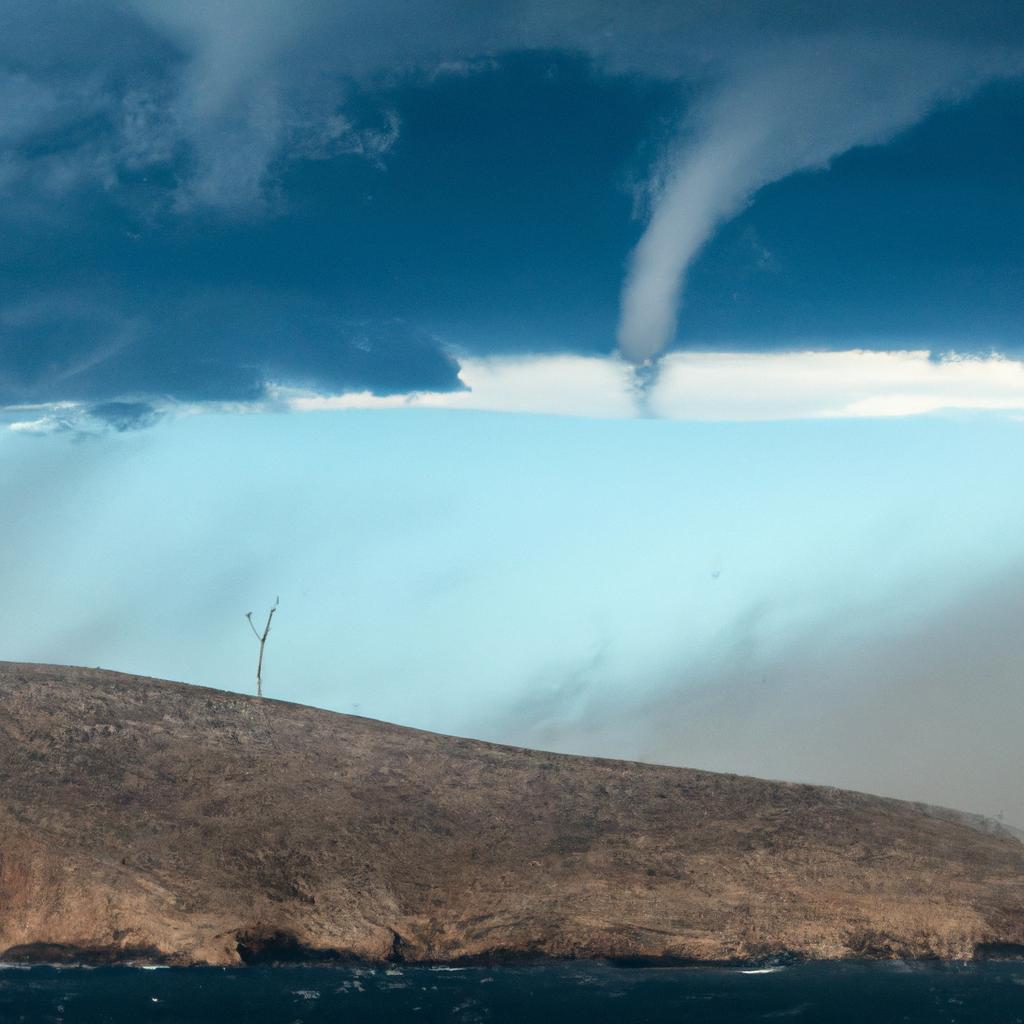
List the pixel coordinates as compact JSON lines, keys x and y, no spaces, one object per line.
{"x":149,"y":820}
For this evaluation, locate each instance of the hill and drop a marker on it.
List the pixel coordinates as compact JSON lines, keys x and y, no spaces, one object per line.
{"x":143,"y":820}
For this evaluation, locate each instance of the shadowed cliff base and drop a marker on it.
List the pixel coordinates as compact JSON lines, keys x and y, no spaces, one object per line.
{"x":153,"y":822}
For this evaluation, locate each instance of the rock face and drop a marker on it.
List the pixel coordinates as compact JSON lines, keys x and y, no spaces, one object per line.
{"x":152,"y":821}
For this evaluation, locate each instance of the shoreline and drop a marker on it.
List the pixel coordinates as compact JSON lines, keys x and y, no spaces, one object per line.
{"x":94,"y":960}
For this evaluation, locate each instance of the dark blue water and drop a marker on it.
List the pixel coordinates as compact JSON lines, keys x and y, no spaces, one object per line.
{"x":865,"y":993}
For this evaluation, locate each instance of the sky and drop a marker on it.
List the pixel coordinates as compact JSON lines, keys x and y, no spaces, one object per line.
{"x":635,"y":380}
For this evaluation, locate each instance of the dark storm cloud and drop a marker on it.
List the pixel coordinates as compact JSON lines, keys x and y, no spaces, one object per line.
{"x":144,"y":121}
{"x":122,"y":416}
{"x":219,"y":348}
{"x":221,"y":92}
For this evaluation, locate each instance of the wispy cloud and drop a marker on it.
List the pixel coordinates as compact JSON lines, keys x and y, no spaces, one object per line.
{"x":86,"y":420}
{"x":205,"y":99}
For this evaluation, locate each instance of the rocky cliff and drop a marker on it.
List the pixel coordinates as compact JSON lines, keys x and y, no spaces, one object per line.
{"x":153,"y":821}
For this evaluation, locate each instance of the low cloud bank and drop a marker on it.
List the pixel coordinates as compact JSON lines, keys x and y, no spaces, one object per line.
{"x":721,"y":386}
{"x":697,"y":386}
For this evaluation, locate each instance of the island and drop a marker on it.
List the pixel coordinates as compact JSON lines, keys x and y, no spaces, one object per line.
{"x":153,"y":822}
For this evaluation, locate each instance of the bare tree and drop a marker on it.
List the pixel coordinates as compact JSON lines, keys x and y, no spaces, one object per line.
{"x":262,"y":637}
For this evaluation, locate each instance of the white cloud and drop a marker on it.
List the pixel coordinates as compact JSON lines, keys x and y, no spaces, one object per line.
{"x":564,"y":385}
{"x":811,"y":385}
{"x":719,"y":386}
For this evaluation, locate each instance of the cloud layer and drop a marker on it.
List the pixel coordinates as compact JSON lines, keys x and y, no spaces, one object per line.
{"x":184,"y":122}
{"x":74,"y":347}
{"x":711,"y":386}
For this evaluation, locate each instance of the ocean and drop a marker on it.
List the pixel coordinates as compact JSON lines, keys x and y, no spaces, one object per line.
{"x":568,"y":993}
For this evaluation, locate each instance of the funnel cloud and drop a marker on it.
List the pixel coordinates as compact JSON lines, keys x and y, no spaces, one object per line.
{"x":770,"y":116}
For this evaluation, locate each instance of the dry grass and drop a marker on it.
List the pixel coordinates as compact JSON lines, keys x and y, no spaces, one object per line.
{"x":152,"y":820}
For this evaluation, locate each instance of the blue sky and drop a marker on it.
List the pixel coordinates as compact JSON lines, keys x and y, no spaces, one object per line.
{"x":614,"y":587}
{"x":644,"y":381}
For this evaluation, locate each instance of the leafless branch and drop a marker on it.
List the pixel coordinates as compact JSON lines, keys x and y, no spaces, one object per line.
{"x":262,"y":640}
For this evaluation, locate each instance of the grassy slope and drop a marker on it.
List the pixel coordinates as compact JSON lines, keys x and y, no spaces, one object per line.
{"x":153,"y":820}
